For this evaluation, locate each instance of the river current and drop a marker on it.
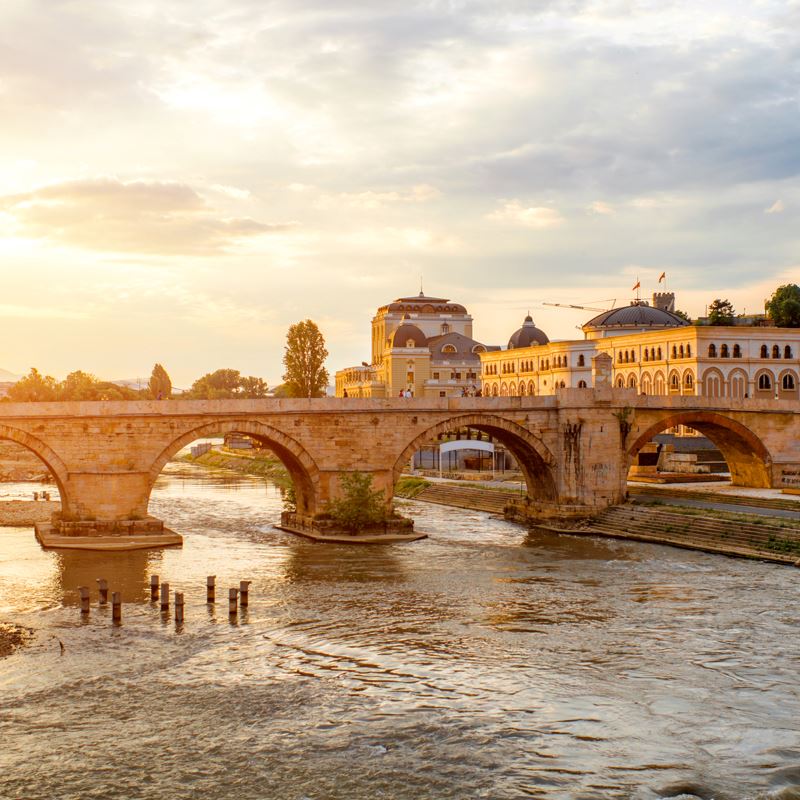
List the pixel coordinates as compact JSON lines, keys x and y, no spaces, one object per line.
{"x":482,"y":662}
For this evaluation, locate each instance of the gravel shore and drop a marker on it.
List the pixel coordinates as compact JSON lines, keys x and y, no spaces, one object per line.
{"x":18,"y":513}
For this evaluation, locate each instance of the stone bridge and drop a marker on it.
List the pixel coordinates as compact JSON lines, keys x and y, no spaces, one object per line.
{"x":574,"y":448}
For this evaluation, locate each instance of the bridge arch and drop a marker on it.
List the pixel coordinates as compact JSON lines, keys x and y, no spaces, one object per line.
{"x":47,"y":456}
{"x":747,"y":456}
{"x":299,"y":464}
{"x":534,"y":458}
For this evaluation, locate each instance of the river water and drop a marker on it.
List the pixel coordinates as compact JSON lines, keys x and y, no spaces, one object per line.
{"x":481,"y":662}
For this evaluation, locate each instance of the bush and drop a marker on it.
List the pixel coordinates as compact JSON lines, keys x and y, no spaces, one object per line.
{"x":360,"y":505}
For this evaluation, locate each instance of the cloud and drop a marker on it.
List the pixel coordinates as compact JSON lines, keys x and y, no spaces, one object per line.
{"x":110,"y":215}
{"x":599,"y":207}
{"x":371,"y":200}
{"x":776,"y":208}
{"x":535,"y":217}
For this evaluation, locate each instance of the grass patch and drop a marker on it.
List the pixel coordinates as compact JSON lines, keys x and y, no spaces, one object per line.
{"x":409,"y":486}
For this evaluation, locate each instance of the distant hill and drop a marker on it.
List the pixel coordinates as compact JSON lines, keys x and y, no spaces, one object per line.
{"x":8,"y":377}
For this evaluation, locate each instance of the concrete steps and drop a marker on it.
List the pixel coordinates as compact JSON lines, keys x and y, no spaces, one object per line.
{"x":718,"y":497}
{"x":743,"y":538}
{"x":475,"y":498}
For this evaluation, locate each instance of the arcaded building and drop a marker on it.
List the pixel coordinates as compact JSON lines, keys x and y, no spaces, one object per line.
{"x":654,"y":351}
{"x":422,"y":345}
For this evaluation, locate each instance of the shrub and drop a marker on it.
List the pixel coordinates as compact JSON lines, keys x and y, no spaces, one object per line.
{"x":360,"y":505}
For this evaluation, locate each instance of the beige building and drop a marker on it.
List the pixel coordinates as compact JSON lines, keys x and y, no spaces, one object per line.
{"x":419,"y":344}
{"x":654,"y":351}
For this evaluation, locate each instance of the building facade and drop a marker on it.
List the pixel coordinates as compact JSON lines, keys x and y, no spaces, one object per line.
{"x":421,"y":345}
{"x":653,"y":351}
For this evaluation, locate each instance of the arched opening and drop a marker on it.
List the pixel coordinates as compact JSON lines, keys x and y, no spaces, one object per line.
{"x":533,"y":459}
{"x":28,"y":463}
{"x":747,"y":458}
{"x":301,"y":468}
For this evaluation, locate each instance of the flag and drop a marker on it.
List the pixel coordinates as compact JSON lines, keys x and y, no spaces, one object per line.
{"x":662,"y":277}
{"x":638,"y":286}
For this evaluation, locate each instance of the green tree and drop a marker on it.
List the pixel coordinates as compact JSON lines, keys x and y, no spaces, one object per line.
{"x":783,"y":307}
{"x":227,"y":383}
{"x":253,"y":388}
{"x":682,"y":314}
{"x":34,"y":387}
{"x":721,"y":312}
{"x":78,"y":385}
{"x":360,"y":504}
{"x":304,"y":359}
{"x":160,"y":384}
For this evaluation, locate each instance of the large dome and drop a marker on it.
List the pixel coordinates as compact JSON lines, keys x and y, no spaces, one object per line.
{"x":527,"y":335}
{"x":408,"y":335}
{"x":637,"y":316}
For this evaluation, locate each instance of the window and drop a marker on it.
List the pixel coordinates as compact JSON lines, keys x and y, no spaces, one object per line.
{"x":712,"y":351}
{"x":688,"y":380}
{"x":449,"y":348}
{"x":787,"y":352}
{"x":776,"y":351}
{"x":788,"y":383}
{"x":582,"y":361}
{"x":458,"y":376}
{"x":674,"y":351}
{"x":723,"y":353}
{"x":674,"y":382}
{"x":581,"y":384}
{"x":619,"y":357}
{"x":445,"y":328}
{"x":442,"y":394}
{"x":659,"y":354}
{"x":436,"y":376}
{"x":646,"y":355}
{"x":764,"y":353}
{"x":410,"y":343}
{"x":764,"y":382}
{"x":633,"y":356}
{"x":632,"y":382}
{"x":681,"y":352}
{"x":620,"y":382}
{"x":737,"y":351}
{"x":410,"y":377}
{"x":688,"y":351}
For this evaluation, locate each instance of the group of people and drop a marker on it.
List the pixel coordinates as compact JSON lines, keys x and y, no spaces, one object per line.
{"x":471,"y":391}
{"x":407,"y":393}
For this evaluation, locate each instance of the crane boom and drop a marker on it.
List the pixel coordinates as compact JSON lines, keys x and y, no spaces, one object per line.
{"x":582,"y":308}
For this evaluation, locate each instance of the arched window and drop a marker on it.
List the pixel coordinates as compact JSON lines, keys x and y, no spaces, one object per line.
{"x":674,"y":351}
{"x":787,"y":352}
{"x":712,"y":351}
{"x":680,"y":352}
{"x":522,"y":388}
{"x":581,"y":384}
{"x":659,"y":354}
{"x":619,"y":357}
{"x":449,"y":348}
{"x":531,"y":388}
{"x":646,"y":355}
{"x":723,"y":353}
{"x":688,"y":351}
{"x":688,"y":381}
{"x":787,"y":384}
{"x":494,"y":390}
{"x":632,"y":382}
{"x":653,"y":353}
{"x":776,"y":351}
{"x":646,"y":384}
{"x":764,"y":382}
{"x":764,"y":353}
{"x":658,"y":383}
{"x":713,"y":384}
{"x":738,"y":384}
{"x":737,"y":351}
{"x":445,"y":328}
{"x":620,"y":382}
{"x":581,"y":360}
{"x":674,"y":382}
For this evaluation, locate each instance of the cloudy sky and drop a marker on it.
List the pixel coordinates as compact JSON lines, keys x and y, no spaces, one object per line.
{"x":180,"y":181}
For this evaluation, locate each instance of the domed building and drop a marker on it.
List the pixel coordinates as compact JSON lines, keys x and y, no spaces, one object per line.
{"x":420,"y":344}
{"x":527,"y":335}
{"x":638,"y":317}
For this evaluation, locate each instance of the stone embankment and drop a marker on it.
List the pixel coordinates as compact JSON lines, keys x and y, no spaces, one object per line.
{"x":716,"y":497}
{"x":732,"y":534}
{"x":22,"y":513}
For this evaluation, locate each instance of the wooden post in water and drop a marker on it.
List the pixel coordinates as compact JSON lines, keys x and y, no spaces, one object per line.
{"x":233,"y":597}
{"x":211,"y":588}
{"x":84,"y":590}
{"x":102,"y":584}
{"x":244,"y":589}
{"x":153,"y":588}
{"x":165,"y":597}
{"x":178,"y":606}
{"x":116,"y":607}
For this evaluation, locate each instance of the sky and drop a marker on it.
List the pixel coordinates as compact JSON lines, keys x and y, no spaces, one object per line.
{"x":181,"y":181}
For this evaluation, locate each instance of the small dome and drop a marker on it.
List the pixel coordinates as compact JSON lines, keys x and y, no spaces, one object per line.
{"x":408,"y":335}
{"x":637,"y":315}
{"x":527,"y":335}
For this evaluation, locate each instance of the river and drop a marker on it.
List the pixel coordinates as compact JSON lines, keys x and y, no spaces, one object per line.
{"x":481,"y":662}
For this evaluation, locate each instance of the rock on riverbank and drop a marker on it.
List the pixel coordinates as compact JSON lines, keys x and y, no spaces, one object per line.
{"x":18,"y":513}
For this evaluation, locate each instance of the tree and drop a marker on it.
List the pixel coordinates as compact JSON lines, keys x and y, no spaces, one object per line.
{"x":78,"y":385}
{"x":304,"y":360}
{"x":682,"y":314}
{"x":227,"y":383}
{"x":160,"y":384}
{"x":34,"y":387}
{"x":360,"y":504}
{"x":783,"y":307}
{"x":721,"y":312}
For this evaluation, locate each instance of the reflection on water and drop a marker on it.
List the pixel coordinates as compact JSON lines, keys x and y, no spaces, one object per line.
{"x":481,"y":662}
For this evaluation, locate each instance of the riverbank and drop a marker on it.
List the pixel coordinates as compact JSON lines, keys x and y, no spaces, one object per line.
{"x":262,"y":464}
{"x":13,"y":637}
{"x":24,"y":513}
